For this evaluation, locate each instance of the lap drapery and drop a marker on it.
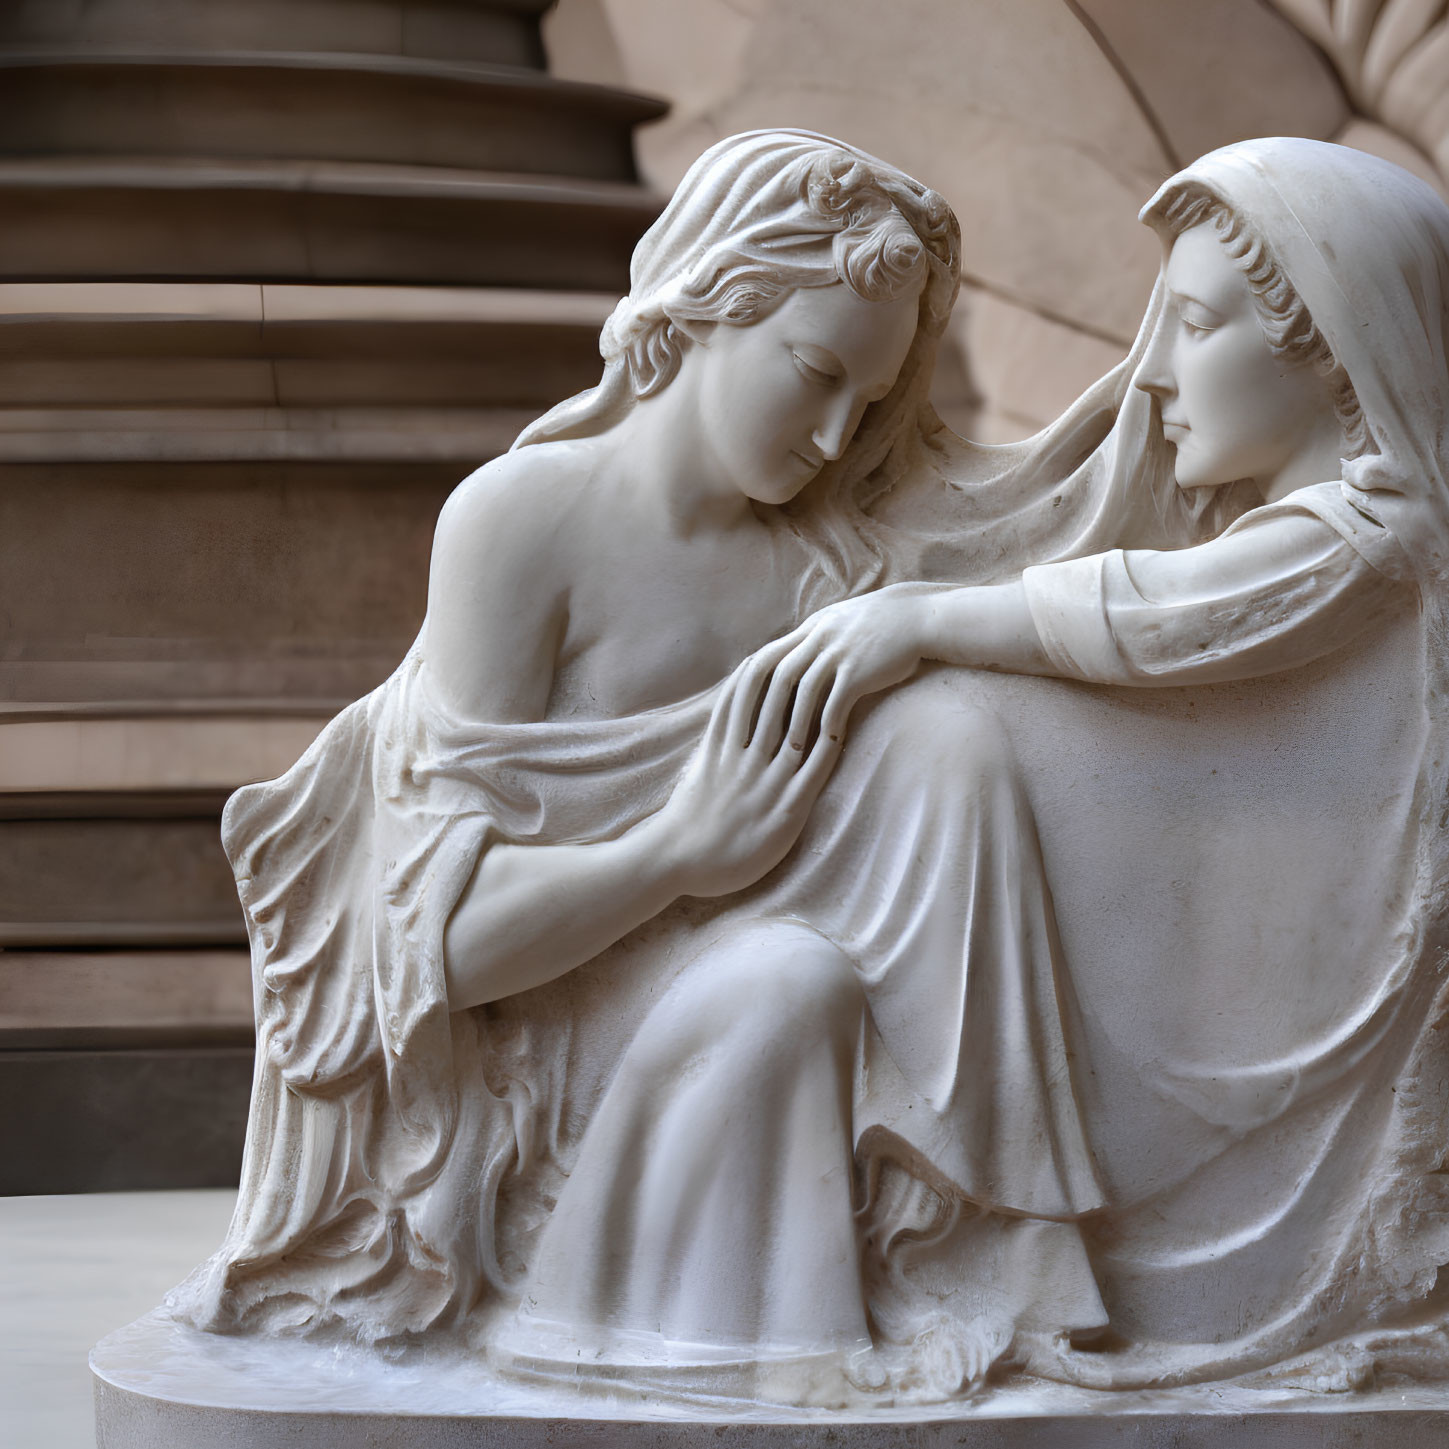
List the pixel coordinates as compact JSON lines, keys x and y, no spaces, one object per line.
{"x":401,"y":1162}
{"x":1253,"y":1065}
{"x":710,"y":1201}
{"x":385,"y":1133}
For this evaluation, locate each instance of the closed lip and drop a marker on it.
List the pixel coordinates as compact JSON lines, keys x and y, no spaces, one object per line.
{"x":811,"y":460}
{"x":1177,"y":423}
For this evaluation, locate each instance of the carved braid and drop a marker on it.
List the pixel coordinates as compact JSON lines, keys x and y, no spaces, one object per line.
{"x":1290,"y":330}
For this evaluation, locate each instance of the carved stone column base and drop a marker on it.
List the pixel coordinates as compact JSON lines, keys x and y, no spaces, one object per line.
{"x":163,"y":1386}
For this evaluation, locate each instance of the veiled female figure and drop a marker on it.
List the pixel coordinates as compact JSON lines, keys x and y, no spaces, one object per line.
{"x":530,"y":890}
{"x":1262,"y":997}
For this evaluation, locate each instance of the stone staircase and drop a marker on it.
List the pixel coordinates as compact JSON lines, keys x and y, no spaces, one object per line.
{"x":274,"y":275}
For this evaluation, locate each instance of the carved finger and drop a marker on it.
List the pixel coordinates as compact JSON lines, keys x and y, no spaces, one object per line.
{"x":717,"y":731}
{"x":838,"y":705}
{"x":765,"y":666}
{"x":819,"y":678}
{"x":810,"y":778}
{"x":770,"y":726}
{"x":724,"y":702}
{"x":782,"y":687}
{"x":745,"y":688}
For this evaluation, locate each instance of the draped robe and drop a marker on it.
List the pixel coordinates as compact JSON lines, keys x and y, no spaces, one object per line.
{"x":401,"y":1160}
{"x":1257,"y":1062}
{"x":384,"y":1128}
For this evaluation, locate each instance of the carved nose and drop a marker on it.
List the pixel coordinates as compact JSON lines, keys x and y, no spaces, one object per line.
{"x":1153,"y":382}
{"x":1153,"y":375}
{"x":835,"y":433}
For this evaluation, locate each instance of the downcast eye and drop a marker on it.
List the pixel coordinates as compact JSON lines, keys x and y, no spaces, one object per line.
{"x":1195,"y":317}
{"x":816,"y":367}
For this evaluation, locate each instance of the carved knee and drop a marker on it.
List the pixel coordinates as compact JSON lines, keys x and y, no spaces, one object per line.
{"x":778,"y":979}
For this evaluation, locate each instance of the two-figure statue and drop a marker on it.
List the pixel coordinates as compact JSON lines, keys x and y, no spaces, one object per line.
{"x":818,"y":915}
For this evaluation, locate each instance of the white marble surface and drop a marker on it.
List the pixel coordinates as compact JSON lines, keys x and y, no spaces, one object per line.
{"x":805,"y":1031}
{"x":162,"y":1385}
{"x":158,"y":1358}
{"x":73,"y":1269}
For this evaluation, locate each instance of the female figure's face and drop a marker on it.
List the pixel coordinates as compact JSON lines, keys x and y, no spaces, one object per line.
{"x":776,"y":399}
{"x":1230,"y":408}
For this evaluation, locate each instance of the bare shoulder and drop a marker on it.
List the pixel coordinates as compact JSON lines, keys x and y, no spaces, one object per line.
{"x":520,"y":501}
{"x":499,"y":581}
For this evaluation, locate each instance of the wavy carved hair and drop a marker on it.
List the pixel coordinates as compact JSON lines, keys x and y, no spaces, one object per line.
{"x":885,"y":239}
{"x":1287,"y":324}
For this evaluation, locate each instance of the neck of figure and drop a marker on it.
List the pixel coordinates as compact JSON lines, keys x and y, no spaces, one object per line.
{"x":1318,"y":458}
{"x":662,"y":458}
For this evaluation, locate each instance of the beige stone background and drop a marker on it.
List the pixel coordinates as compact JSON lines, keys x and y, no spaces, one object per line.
{"x":275,"y":274}
{"x":1046,"y":124}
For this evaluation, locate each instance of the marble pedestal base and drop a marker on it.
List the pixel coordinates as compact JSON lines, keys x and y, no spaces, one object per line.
{"x":163,"y":1386}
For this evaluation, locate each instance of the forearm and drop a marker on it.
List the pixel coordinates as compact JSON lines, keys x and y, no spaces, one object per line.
{"x":532,"y":912}
{"x":983,"y":627}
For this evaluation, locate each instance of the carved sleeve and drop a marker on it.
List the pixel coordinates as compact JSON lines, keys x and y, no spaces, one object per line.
{"x":1279,"y":589}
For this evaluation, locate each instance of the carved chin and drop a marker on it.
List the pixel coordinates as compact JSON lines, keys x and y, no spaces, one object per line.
{"x":1190,"y":474}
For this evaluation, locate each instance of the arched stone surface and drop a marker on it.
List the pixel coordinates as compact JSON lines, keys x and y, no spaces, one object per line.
{"x":1011,"y":111}
{"x":1045,"y":123}
{"x":1218,"y":71}
{"x":1393,"y":60}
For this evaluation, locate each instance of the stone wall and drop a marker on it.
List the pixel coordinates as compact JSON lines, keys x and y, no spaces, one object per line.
{"x":1046,"y":124}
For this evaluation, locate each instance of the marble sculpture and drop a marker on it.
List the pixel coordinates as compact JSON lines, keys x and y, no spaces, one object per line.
{"x":829,"y":913}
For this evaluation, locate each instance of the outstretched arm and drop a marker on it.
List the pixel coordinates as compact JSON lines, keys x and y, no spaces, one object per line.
{"x":1278,"y":591}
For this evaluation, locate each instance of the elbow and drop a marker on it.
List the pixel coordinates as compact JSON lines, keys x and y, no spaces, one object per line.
{"x":475,"y":969}
{"x":474,"y":973}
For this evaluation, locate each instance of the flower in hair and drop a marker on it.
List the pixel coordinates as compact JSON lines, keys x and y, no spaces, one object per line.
{"x":843,"y":188}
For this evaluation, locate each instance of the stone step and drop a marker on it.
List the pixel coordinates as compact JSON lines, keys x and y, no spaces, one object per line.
{"x":61,"y":319}
{"x":151,"y":435}
{"x":137,"y":218}
{"x":311,"y":371}
{"x":464,"y":437}
{"x":124,"y":999}
{"x":312,"y":107}
{"x":109,"y":761}
{"x":505,"y":32}
{"x":128,"y":879}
